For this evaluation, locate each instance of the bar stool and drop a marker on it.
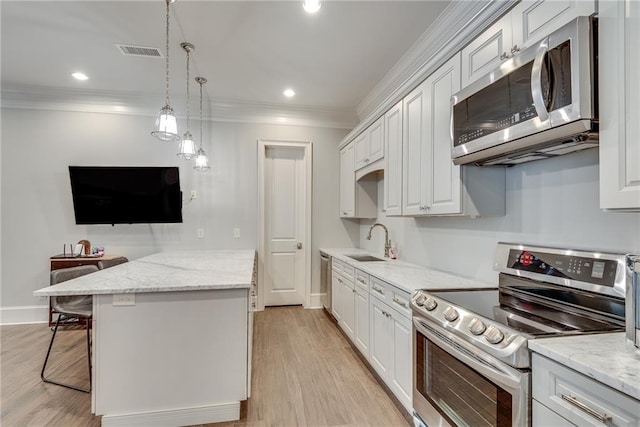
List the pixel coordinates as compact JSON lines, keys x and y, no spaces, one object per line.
{"x":71,"y":307}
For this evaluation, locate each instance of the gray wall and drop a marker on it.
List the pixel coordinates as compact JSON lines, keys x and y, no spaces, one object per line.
{"x":552,"y":202}
{"x":37,"y":212}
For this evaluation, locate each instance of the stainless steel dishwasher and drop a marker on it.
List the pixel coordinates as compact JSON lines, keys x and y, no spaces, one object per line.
{"x":325,"y":280}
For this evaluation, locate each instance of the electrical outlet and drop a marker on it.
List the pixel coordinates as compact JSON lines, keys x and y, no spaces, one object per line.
{"x":200,"y":233}
{"x":236,"y":233}
{"x":194,"y":195}
{"x":124,"y":299}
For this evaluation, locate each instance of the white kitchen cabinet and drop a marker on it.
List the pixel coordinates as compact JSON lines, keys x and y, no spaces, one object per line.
{"x":336,"y":296}
{"x":527,"y":23}
{"x":487,"y":51}
{"x":380,"y":350}
{"x":545,"y":417}
{"x":369,"y":145}
{"x":361,"y":333}
{"x":432,"y":184}
{"x":401,"y":374}
{"x":414,"y":151}
{"x":357,"y":199}
{"x":348,"y":295}
{"x":443,"y":182}
{"x":390,"y":350}
{"x":619,"y":62}
{"x":393,"y":168}
{"x":577,"y":398}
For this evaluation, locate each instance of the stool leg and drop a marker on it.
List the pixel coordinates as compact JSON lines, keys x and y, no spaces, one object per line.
{"x":46,"y":359}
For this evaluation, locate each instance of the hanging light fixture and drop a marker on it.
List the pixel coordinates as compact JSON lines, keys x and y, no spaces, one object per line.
{"x":166,"y":127}
{"x":187,"y":145}
{"x":202,"y":162}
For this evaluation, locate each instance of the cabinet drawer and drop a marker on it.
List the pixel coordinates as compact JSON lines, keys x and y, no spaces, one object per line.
{"x":362,"y":280}
{"x":391,"y":295}
{"x":336,"y":265}
{"x":580,"y":399}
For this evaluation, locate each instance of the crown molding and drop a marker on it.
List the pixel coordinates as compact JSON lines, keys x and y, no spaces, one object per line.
{"x":223,"y":110}
{"x":460,"y":23}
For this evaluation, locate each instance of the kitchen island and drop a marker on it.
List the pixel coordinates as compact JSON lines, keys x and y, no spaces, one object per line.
{"x":171,"y":337}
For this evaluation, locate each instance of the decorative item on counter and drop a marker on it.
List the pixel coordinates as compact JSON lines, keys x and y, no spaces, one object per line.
{"x":98,"y":250}
{"x":393,"y":251}
{"x":87,"y":246}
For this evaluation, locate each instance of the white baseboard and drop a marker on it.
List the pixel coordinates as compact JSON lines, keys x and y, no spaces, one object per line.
{"x":316,"y":301}
{"x":21,"y":315}
{"x":176,"y":417}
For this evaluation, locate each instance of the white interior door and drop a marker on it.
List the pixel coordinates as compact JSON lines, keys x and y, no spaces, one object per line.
{"x":284,"y":202}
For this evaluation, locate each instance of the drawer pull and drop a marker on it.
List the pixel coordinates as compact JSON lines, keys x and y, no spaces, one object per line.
{"x":364,"y":282}
{"x":400,"y":303}
{"x":378,"y":290}
{"x":603,"y":418}
{"x":339,"y":280}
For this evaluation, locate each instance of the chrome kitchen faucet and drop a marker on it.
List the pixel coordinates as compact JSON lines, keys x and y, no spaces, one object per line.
{"x":387,"y":243}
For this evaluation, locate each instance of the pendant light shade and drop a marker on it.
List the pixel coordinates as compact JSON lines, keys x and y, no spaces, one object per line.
{"x":166,"y":125}
{"x":166,"y":128}
{"x":187,"y":145}
{"x":202,"y":161}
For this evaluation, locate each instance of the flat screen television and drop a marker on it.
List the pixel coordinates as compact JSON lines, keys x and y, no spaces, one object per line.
{"x":126,"y":195}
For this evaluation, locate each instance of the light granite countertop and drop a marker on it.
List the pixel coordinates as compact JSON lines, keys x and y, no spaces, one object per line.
{"x":404,"y":275}
{"x":603,"y":357}
{"x":165,"y":272}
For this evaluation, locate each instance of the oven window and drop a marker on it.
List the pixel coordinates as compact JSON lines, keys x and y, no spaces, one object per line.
{"x":462,"y":396}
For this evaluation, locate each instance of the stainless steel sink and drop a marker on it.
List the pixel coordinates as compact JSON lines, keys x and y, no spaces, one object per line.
{"x":365,"y":258}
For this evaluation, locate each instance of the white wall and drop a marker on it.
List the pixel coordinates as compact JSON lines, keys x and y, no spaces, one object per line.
{"x":551,"y":202}
{"x":37,"y":211}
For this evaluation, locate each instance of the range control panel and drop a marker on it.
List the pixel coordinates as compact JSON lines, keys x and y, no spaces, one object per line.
{"x":585,"y":269}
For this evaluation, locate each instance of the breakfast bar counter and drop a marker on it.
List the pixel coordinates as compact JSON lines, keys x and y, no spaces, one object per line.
{"x":171,"y":337}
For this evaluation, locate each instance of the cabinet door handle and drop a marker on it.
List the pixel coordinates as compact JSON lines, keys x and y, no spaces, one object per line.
{"x":504,"y":56}
{"x":603,"y":418}
{"x":378,"y":290}
{"x":515,"y":49}
{"x":353,"y":290}
{"x":400,"y":302}
{"x":339,"y":280}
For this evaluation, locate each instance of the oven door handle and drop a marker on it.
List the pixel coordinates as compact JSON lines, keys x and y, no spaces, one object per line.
{"x":505,"y":376}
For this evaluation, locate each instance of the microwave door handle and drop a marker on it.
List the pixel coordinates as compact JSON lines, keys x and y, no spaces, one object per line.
{"x":536,"y":82}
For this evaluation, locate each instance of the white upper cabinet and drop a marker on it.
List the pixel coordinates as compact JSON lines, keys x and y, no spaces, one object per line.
{"x":443,"y":177}
{"x":432,"y":184}
{"x":393,"y":168}
{"x":414,"y":151}
{"x":487,"y":51}
{"x":370,"y":145}
{"x":358,"y":199}
{"x":347,"y":182}
{"x":619,"y":105}
{"x":528,"y":22}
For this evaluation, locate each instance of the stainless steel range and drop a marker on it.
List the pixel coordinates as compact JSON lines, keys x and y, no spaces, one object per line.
{"x":472,"y":365}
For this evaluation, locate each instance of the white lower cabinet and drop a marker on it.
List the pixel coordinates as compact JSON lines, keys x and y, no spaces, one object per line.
{"x":564,"y":397}
{"x":361,"y":333}
{"x":390,"y":346}
{"x":376,"y":317}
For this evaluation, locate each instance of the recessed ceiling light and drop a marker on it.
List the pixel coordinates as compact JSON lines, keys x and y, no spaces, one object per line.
{"x":311,"y":6}
{"x":289,"y":93}
{"x":80,"y":76}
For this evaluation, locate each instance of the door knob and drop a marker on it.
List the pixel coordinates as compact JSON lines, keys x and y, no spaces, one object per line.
{"x":299,"y":245}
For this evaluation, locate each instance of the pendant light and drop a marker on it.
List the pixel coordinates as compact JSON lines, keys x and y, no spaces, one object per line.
{"x":202,"y":162}
{"x":166,"y":126}
{"x":187,"y":145}
{"x":311,"y":6}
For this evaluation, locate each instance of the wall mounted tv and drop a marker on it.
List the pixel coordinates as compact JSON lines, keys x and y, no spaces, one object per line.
{"x":126,"y":195}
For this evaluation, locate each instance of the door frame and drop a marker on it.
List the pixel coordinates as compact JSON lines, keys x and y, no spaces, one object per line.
{"x":263,"y":144}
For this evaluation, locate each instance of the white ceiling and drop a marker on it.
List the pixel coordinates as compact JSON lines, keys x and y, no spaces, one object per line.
{"x":250,"y":51}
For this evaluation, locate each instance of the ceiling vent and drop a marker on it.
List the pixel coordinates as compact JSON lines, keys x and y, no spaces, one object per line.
{"x":131,"y":50}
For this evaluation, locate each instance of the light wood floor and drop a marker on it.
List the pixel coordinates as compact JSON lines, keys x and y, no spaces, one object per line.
{"x":305,"y":373}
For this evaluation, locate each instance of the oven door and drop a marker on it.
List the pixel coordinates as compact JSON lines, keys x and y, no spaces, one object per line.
{"x":456,"y":385}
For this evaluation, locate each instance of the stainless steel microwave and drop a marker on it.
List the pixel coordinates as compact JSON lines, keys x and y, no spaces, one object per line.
{"x":541,"y":103}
